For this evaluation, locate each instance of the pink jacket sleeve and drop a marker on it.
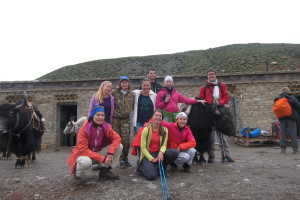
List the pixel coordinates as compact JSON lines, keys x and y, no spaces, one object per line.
{"x":183,"y":99}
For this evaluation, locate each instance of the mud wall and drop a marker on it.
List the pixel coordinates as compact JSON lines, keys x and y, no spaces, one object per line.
{"x":251,"y":96}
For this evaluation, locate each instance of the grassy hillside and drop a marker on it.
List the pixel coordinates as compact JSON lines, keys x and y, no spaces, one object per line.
{"x":226,"y":59}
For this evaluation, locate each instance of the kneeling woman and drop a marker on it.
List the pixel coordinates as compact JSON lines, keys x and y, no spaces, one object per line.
{"x":182,"y":139}
{"x":153,"y":148}
{"x":98,"y":143}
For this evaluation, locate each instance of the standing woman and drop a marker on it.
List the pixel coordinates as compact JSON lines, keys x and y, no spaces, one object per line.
{"x":144,"y":104}
{"x":168,"y":98}
{"x":154,"y":147}
{"x":123,"y":106}
{"x":98,"y":143}
{"x":105,"y":99}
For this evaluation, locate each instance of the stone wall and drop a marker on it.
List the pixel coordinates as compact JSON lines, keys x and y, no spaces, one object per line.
{"x":251,"y":96}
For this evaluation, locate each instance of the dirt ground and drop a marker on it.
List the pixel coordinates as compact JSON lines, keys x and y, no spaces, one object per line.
{"x":259,"y":172}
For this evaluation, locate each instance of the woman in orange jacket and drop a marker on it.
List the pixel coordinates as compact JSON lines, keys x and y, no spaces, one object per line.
{"x":182,"y":139}
{"x":98,"y":143}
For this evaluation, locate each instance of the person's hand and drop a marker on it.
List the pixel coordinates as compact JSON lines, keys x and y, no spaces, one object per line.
{"x":109,"y":159}
{"x":201,"y":101}
{"x":178,"y":148}
{"x":154,"y":160}
{"x":160,"y":156}
{"x":167,"y":98}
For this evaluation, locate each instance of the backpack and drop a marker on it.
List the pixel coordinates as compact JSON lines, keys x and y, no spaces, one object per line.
{"x":282,"y":108}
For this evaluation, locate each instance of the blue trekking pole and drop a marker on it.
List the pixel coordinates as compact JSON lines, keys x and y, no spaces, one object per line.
{"x":163,"y":182}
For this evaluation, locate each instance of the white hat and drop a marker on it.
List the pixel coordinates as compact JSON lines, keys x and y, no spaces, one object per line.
{"x":168,"y":78}
{"x":181,"y":114}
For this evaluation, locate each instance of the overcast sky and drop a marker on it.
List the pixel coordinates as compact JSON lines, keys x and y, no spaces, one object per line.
{"x":39,"y":36}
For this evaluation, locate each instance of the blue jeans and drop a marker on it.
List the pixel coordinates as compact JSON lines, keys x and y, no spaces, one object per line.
{"x":149,"y":169}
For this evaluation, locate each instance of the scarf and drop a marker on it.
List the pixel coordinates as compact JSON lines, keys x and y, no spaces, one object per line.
{"x":169,"y":90}
{"x":216,"y":94}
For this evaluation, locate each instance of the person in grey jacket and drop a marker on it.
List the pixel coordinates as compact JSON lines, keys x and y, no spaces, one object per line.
{"x":288,"y":124}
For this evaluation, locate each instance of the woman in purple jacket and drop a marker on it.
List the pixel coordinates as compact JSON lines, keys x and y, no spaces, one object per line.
{"x":168,"y":98}
{"x":105,"y":99}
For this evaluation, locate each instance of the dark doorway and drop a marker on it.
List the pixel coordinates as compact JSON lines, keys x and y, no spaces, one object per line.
{"x":65,"y":111}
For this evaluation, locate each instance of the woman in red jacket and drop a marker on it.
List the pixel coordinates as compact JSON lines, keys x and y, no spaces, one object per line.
{"x":182,"y":139}
{"x":98,"y":143}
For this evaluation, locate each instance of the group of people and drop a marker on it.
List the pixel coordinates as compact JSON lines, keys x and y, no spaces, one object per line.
{"x":161,"y":131}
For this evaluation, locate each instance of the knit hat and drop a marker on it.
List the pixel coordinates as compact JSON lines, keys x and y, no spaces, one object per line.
{"x":96,"y":109}
{"x":181,"y":114}
{"x":168,"y":78}
{"x":124,"y":78}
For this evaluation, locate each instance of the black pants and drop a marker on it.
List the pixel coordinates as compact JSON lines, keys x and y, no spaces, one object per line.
{"x":149,"y":169}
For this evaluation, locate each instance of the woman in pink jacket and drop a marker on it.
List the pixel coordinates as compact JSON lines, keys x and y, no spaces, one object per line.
{"x":168,"y":98}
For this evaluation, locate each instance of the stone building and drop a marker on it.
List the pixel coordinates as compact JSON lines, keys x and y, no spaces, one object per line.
{"x":251,"y":98}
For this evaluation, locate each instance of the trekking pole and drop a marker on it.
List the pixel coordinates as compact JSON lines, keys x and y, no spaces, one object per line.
{"x":163,"y":182}
{"x":220,"y":135}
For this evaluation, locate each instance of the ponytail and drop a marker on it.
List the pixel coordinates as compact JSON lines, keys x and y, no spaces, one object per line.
{"x":161,"y":130}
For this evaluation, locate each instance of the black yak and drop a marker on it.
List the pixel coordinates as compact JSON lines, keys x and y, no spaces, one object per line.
{"x":202,"y":119}
{"x":24,"y":127}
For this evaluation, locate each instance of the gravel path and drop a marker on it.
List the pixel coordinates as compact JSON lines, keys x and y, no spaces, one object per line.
{"x":259,"y":172}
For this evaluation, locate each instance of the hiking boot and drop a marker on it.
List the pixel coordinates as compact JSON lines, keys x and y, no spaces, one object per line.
{"x":211,"y":159}
{"x":228,"y":159}
{"x":173,"y":167}
{"x":187,"y":168}
{"x":124,"y":164}
{"x":106,"y":174}
{"x":127,"y":163}
{"x":76,"y":179}
{"x":95,"y":167}
{"x":283,"y":151}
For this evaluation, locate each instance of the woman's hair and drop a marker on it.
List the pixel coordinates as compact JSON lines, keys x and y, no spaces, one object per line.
{"x":145,"y":80}
{"x":161,"y":128}
{"x":120,"y":88}
{"x":99,"y":93}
